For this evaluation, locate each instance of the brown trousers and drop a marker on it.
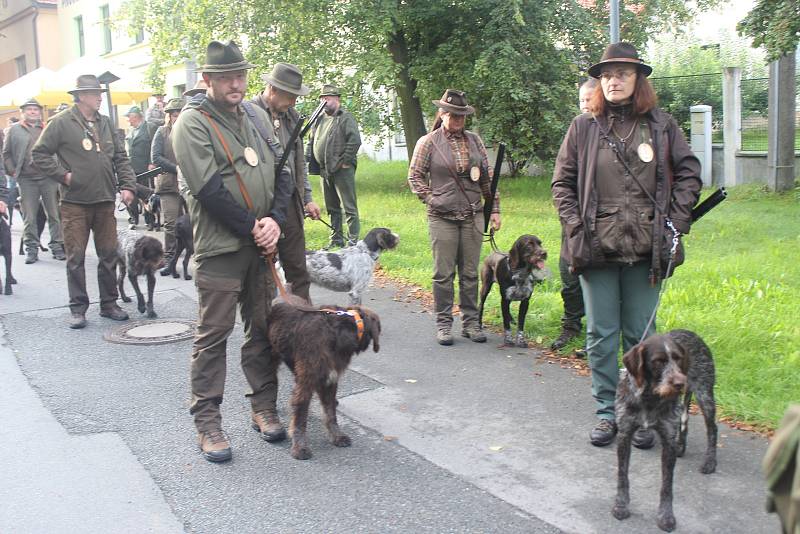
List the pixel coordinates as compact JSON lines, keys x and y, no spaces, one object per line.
{"x":77,"y":221}
{"x":455,"y":245}
{"x":223,"y":281}
{"x":292,"y":250}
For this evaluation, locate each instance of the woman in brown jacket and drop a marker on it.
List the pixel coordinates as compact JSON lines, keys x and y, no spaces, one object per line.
{"x":449,"y":172}
{"x":622,"y":172}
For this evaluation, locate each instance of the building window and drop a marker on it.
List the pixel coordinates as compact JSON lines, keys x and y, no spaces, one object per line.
{"x":79,"y":31}
{"x":105,"y":16}
{"x":139,"y":36}
{"x":22,"y":66}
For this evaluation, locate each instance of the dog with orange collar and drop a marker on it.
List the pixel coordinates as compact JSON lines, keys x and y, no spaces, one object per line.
{"x":317,"y":344}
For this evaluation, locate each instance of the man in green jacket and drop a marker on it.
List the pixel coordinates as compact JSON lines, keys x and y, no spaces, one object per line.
{"x":91,"y":167}
{"x":284,"y":85}
{"x":138,"y":141}
{"x":332,"y":153}
{"x":237,"y":208}
{"x":34,"y":187}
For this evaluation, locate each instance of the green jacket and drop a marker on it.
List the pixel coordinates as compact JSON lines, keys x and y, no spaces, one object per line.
{"x":17,"y":151}
{"x":139,"y":141}
{"x":93,"y":171}
{"x":201,"y":157}
{"x":341,"y":147}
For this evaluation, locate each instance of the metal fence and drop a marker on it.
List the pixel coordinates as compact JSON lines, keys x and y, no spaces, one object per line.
{"x":676,"y":94}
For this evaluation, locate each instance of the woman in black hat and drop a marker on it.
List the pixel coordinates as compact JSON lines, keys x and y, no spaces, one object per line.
{"x":623,"y":171}
{"x":449,"y":172}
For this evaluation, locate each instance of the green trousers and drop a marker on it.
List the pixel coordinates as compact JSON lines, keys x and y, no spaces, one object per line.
{"x":618,"y":300}
{"x":32,"y":191}
{"x":170,"y":210}
{"x":456,"y":245}
{"x":339,"y":189}
{"x":222,"y":282}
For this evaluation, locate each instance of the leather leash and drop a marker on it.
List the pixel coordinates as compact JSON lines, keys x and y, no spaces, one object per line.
{"x":269,"y":259}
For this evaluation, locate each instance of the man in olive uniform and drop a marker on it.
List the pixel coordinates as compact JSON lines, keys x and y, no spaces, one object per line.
{"x":156,"y":114}
{"x":284,"y":85}
{"x":139,"y":141}
{"x":91,"y":167}
{"x":238,"y":208}
{"x":167,"y":182}
{"x":34,"y":187}
{"x":332,"y":153}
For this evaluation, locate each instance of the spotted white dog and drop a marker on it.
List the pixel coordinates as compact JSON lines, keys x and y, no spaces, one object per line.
{"x":350,"y":269}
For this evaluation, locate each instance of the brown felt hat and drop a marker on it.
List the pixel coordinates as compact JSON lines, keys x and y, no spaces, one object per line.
{"x":620,"y":53}
{"x":87,"y":82}
{"x":199,"y":87}
{"x":224,"y":57}
{"x":455,"y":102}
{"x":287,"y":77}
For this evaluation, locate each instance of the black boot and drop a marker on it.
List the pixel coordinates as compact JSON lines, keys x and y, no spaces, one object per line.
{"x":567,"y":334}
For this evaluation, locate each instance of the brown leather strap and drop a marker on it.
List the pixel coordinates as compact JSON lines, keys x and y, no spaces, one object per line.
{"x":240,"y":183}
{"x":270,"y":259}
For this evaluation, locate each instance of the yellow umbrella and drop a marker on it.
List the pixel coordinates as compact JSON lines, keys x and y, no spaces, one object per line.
{"x":130,"y":88}
{"x":32,"y":85}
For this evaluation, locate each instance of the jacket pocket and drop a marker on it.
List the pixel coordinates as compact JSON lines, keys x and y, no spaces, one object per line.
{"x":607,"y":229}
{"x":579,"y":253}
{"x":441,"y":199}
{"x":642,"y":231}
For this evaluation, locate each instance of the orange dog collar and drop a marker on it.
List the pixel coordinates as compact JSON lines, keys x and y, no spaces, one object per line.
{"x":350,"y":313}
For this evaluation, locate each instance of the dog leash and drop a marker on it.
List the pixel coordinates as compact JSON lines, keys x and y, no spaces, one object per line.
{"x":269,"y":259}
{"x":350,"y":313}
{"x":672,"y":250}
{"x":489,"y":238}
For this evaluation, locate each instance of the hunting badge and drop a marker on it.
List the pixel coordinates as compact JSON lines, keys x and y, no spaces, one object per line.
{"x":250,"y":156}
{"x":645,"y":151}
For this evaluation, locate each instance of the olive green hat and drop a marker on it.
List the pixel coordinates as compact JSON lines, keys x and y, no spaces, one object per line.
{"x":134,"y":110}
{"x":330,"y":90}
{"x":31,"y":102}
{"x":174,"y":104}
{"x":224,"y":57}
{"x":287,"y":77}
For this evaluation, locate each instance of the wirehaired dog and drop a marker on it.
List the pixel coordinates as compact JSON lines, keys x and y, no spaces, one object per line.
{"x":184,"y":242}
{"x":516,"y":273}
{"x":152,"y":212}
{"x":138,"y":254}
{"x":317,"y":344}
{"x":662,"y":373}
{"x":350,"y":269}
{"x":7,"y":253}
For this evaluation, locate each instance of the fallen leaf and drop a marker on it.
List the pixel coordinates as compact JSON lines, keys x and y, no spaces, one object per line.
{"x":411,"y":381}
{"x":496,"y":448}
{"x":389,"y":438}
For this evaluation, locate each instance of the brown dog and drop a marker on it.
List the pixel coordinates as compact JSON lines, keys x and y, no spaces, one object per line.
{"x":317,"y":344}
{"x":514,"y":273}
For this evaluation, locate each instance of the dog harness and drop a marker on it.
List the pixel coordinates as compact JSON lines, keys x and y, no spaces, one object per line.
{"x":350,"y":313}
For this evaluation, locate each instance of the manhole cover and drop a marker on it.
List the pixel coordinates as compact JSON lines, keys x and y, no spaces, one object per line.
{"x":152,"y":332}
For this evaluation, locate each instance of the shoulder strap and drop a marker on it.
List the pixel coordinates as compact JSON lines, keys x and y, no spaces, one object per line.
{"x":450,"y":168}
{"x":273,"y":145}
{"x":240,"y":183}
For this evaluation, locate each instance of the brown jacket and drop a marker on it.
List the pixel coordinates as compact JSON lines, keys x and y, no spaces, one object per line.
{"x":678,"y":187}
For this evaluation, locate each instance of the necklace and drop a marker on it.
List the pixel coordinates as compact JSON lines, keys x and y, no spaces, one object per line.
{"x":623,"y":139}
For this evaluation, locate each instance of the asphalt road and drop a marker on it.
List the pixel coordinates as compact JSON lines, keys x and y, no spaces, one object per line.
{"x":469,"y":438}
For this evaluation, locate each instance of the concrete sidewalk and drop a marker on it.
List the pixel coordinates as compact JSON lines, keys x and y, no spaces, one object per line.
{"x":468,"y":438}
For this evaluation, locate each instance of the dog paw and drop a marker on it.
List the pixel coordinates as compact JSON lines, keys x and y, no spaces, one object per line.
{"x":620,"y":512}
{"x":152,"y":315}
{"x":166,"y":272}
{"x":709,"y":466}
{"x":9,"y":291}
{"x":141,"y":308}
{"x":666,"y":522}
{"x":341,"y":440}
{"x":522,"y":343}
{"x":126,"y":299}
{"x":300,"y":453}
{"x":175,"y":274}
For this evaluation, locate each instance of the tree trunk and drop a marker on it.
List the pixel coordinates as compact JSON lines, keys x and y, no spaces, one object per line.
{"x":410,"y":107}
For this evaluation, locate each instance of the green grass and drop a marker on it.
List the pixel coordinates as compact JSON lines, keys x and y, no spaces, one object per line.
{"x":738,"y":288}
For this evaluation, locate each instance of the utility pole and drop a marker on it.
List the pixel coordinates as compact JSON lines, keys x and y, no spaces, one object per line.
{"x":614,"y":22}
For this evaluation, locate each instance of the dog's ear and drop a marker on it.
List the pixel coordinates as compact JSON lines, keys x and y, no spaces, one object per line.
{"x":514,"y":256}
{"x":634,"y":363}
{"x":372,"y":325}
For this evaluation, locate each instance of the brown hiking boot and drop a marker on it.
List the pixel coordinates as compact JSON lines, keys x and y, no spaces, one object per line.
{"x":267,"y":424}
{"x":567,"y":334}
{"x":77,"y":321}
{"x":115,"y":313}
{"x":444,"y":337}
{"x":474,"y":333}
{"x":215,"y":446}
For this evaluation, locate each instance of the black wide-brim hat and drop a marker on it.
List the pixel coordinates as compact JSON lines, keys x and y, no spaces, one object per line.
{"x":620,"y":53}
{"x":224,"y":57}
{"x":455,"y":102}
{"x":287,"y":77}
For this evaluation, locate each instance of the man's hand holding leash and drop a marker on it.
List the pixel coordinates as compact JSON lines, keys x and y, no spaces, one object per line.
{"x":312,"y":210}
{"x":266,"y":233}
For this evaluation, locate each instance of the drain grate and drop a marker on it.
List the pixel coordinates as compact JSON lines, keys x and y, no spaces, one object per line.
{"x":155,"y":332}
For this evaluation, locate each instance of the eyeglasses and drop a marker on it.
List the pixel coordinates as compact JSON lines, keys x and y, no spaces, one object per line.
{"x":621,"y":75}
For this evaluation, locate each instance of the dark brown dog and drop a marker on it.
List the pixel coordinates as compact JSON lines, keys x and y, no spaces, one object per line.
{"x":662,"y":374}
{"x":317,"y":344}
{"x":514,"y":273}
{"x":6,"y":253}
